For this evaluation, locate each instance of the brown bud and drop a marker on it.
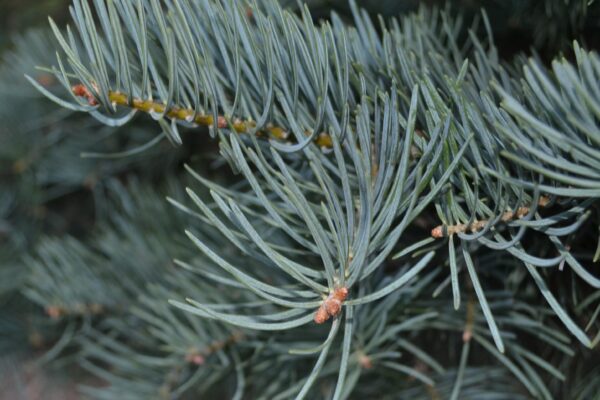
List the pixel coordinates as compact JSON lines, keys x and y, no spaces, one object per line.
{"x":54,"y":312}
{"x":196,"y":359}
{"x":365,"y":361}
{"x":437,"y":232}
{"x":81,"y":91}
{"x":340,"y":294}
{"x":333,"y":306}
{"x":321,"y":315}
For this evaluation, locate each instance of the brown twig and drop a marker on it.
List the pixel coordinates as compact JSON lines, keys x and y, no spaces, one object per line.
{"x":441,"y":231}
{"x":189,"y":115}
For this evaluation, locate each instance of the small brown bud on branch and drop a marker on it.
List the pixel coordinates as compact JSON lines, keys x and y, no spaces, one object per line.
{"x":81,"y":91}
{"x":332,"y":305}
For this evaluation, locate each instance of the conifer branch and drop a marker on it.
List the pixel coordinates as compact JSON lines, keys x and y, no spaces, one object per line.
{"x":306,"y":223}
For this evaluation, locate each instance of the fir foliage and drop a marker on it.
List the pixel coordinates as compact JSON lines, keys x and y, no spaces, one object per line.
{"x":452,"y":193}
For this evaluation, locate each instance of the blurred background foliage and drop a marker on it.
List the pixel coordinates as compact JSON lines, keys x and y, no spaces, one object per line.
{"x":20,"y":15}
